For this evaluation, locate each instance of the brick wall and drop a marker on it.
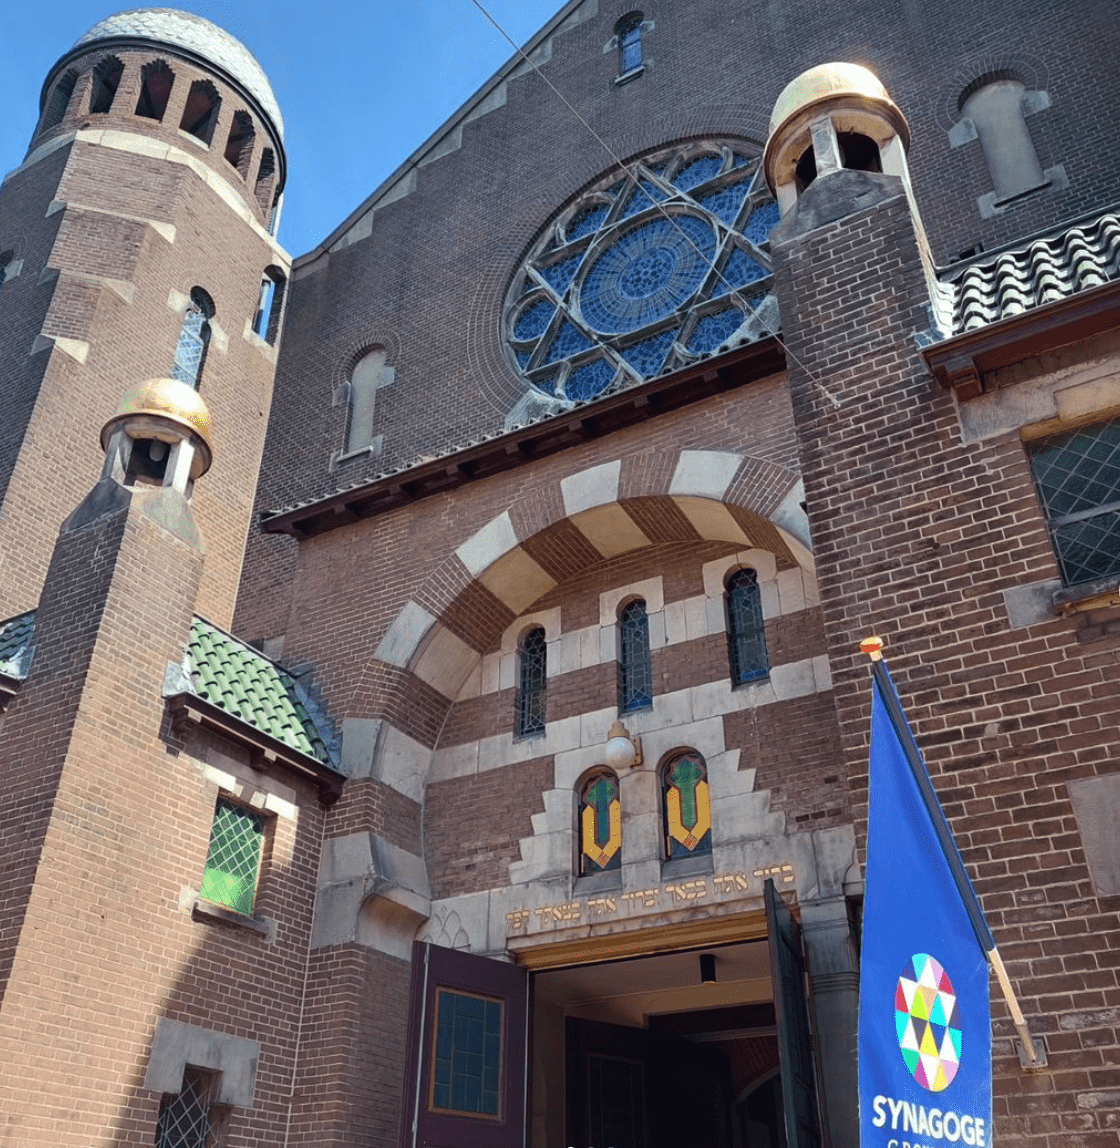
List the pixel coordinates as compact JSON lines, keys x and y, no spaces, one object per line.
{"x":107,"y":235}
{"x":916,"y":536}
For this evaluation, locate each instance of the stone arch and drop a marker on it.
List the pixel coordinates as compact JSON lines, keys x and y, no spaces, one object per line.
{"x":497,"y":573}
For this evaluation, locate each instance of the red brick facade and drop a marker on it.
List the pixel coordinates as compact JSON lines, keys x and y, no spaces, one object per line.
{"x":396,"y":583}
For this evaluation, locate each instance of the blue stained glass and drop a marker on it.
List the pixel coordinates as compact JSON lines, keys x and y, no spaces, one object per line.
{"x":761,"y":222}
{"x":586,"y":221}
{"x":569,"y":341}
{"x":712,"y":330}
{"x":647,"y":273}
{"x":547,"y":384}
{"x":646,"y":195}
{"x":741,"y":161}
{"x":698,"y":172}
{"x":740,"y":270}
{"x":589,"y":380}
{"x":559,"y":275}
{"x":648,"y":356}
{"x":533,"y":321}
{"x":726,"y":202}
{"x":523,"y":358}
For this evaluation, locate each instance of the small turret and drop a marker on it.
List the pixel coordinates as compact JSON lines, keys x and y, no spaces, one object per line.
{"x":833,"y":117}
{"x":159,"y":436}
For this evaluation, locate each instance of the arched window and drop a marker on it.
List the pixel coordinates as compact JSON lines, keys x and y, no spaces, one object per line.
{"x":994,"y":105}
{"x":532,"y":675}
{"x":194,"y":338}
{"x":686,"y":806}
{"x":106,"y":80}
{"x":200,"y":113}
{"x":59,"y":100}
{"x":156,"y":82}
{"x":239,"y":142}
{"x":369,"y":375}
{"x":265,"y":186}
{"x":635,"y":673}
{"x":270,"y":304}
{"x":5,"y":260}
{"x":629,"y":33}
{"x":600,"y":824}
{"x":746,"y":633}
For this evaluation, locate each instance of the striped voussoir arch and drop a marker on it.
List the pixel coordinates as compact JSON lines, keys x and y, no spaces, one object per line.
{"x":625,"y":505}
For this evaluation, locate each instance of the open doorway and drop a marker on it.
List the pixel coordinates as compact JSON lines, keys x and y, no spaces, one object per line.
{"x":643,"y":1053}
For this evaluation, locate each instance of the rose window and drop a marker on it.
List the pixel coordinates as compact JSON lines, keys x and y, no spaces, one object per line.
{"x":645,"y":274}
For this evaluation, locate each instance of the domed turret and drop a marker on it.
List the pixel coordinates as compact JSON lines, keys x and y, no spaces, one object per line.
{"x":160,"y":434}
{"x":831,"y":117}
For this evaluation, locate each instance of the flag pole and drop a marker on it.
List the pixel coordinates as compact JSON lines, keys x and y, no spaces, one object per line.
{"x":1035,"y":1055}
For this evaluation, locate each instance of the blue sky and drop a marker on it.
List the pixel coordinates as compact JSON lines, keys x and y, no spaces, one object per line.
{"x":360,"y":86}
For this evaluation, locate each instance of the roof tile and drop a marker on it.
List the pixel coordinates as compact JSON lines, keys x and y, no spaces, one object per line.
{"x":1040,"y":272}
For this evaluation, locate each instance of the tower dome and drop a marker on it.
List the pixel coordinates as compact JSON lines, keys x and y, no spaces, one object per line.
{"x":195,"y":36}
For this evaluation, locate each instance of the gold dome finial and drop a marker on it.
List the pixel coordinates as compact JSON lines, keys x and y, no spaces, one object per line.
{"x":835,"y":81}
{"x":853,"y":94}
{"x":168,"y":410}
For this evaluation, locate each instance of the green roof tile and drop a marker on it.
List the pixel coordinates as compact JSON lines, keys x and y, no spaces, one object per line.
{"x":243,"y":682}
{"x":15,"y":644}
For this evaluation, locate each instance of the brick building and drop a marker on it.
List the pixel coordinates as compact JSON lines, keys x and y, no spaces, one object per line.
{"x":432,"y":708}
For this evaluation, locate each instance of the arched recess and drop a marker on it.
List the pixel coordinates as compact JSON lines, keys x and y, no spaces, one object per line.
{"x":483,"y":595}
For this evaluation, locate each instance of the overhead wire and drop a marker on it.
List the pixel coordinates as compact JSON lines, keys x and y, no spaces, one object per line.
{"x":635,"y":176}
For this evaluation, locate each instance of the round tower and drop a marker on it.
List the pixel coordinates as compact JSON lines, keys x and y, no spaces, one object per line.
{"x":137,"y":241}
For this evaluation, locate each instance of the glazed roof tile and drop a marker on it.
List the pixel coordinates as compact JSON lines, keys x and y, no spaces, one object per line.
{"x":251,"y":687}
{"x":1044,"y":271}
{"x":226,"y":673}
{"x":15,"y":644}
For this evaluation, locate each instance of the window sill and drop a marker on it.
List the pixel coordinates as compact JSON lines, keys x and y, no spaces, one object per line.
{"x":687,"y":866}
{"x":626,"y":77}
{"x":1099,"y":595}
{"x":598,"y":882}
{"x":208,"y":911}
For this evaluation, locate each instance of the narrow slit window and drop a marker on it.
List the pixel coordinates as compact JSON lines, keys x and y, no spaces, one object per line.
{"x":194,"y":339}
{"x":270,"y":305}
{"x":746,"y":632}
{"x":106,"y":80}
{"x":239,"y":142}
{"x":532,"y":679}
{"x":686,"y":807}
{"x":265,"y":186}
{"x":635,"y":671}
{"x":629,"y":32}
{"x":156,"y":82}
{"x":200,"y":113}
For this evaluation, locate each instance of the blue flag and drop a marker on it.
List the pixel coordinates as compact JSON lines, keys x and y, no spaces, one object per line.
{"x":925,"y":1046}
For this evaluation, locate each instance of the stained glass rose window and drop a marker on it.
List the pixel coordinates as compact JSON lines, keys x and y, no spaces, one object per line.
{"x":646,"y":272}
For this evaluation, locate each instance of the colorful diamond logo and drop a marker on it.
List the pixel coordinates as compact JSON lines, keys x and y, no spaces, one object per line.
{"x":927,"y":1020}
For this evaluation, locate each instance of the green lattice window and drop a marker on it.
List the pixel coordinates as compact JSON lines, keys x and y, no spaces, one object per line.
{"x":467,"y":1057}
{"x":1078,"y":478}
{"x":233,"y":862}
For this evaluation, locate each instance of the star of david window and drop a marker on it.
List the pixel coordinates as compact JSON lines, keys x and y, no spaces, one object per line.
{"x":646,"y":273}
